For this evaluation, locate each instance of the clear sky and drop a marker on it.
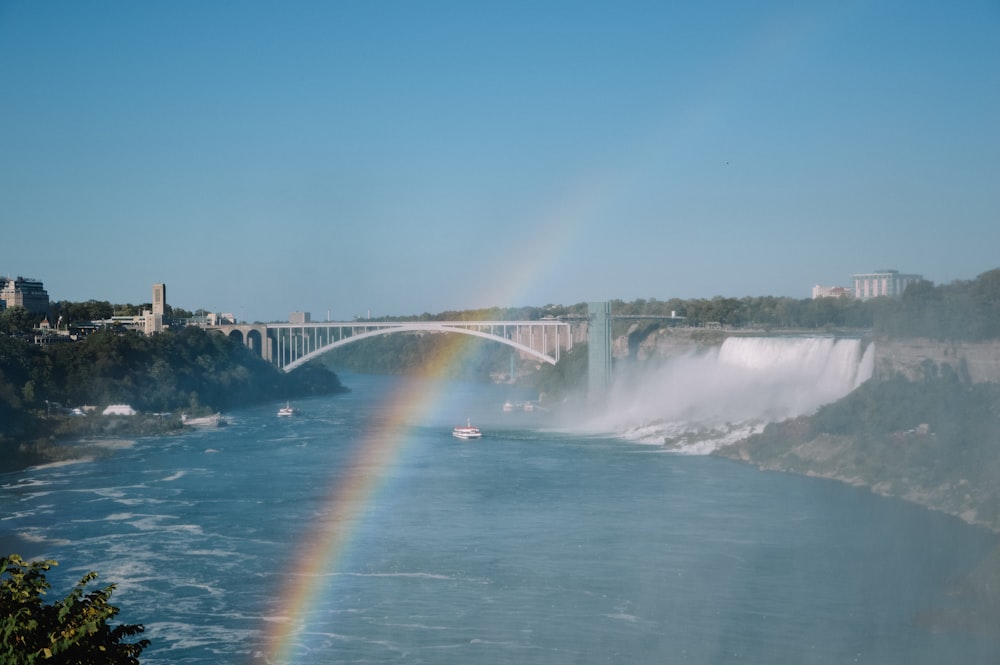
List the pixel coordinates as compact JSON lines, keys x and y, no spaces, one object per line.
{"x":405,"y":157}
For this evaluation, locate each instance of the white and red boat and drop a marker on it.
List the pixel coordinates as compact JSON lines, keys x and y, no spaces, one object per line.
{"x":467,"y":431}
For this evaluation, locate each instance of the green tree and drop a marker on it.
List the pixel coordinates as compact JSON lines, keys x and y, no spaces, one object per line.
{"x":83,"y":312}
{"x":17,"y":321}
{"x":71,"y":631}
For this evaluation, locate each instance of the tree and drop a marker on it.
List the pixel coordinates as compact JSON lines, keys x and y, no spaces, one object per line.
{"x":17,"y":321}
{"x":72,"y":631}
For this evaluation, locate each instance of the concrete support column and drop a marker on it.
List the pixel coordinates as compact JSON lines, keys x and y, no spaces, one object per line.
{"x":599,"y":350}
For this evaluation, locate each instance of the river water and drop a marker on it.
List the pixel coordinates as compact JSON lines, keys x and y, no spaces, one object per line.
{"x":531,"y":545}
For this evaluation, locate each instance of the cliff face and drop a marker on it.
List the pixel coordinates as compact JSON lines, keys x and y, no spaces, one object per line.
{"x":664,"y":343}
{"x":978,"y":362}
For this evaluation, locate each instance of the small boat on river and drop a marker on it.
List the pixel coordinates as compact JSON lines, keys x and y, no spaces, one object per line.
{"x":214,"y":420}
{"x":287,"y":410}
{"x":467,"y":431}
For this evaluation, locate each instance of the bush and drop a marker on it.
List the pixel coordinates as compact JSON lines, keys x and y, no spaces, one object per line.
{"x":72,"y":631}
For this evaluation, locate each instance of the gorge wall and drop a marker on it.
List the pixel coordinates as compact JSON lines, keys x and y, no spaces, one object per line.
{"x":979,"y":362}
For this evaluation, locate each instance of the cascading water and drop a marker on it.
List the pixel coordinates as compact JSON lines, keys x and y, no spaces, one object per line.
{"x":697,"y":402}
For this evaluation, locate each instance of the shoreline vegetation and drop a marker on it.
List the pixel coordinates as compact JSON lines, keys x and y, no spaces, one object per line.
{"x":48,"y":393}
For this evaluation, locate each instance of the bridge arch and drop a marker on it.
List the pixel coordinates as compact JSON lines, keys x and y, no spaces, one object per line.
{"x":255,"y":341}
{"x":420,"y":327}
{"x":251,"y":338}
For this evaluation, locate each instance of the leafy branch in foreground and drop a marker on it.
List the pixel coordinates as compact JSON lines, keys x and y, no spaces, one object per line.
{"x":71,"y":631}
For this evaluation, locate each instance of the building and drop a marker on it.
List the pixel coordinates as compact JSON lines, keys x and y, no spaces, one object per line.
{"x":882,"y":283}
{"x":23,"y":292}
{"x":220,"y":319}
{"x":299,"y":317}
{"x":152,"y":321}
{"x":159,"y":299}
{"x":831,"y":292}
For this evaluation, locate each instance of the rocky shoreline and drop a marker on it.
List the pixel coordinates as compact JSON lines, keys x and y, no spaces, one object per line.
{"x":975,"y":606}
{"x":818,"y":457}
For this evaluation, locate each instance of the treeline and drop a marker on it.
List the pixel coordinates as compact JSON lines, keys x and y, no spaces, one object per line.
{"x":961,"y":310}
{"x":96,"y":310}
{"x":185,"y":369}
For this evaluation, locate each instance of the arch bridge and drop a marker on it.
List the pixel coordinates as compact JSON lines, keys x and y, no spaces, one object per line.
{"x":290,"y":345}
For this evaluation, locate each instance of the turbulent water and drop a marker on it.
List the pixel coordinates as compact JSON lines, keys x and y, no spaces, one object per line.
{"x":531,"y":545}
{"x":700,"y":401}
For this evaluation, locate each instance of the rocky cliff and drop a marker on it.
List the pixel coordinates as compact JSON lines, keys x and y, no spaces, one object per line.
{"x":977,"y":362}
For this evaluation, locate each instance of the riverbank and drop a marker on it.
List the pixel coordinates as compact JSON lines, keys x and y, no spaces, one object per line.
{"x":930,"y":441}
{"x":970,"y":495}
{"x":976,"y":594}
{"x":57,"y":439}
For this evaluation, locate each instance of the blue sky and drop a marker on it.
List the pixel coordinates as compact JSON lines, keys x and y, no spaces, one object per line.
{"x":406,"y":157}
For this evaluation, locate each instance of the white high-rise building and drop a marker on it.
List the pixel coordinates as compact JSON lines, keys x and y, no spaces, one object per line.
{"x":888,"y":283}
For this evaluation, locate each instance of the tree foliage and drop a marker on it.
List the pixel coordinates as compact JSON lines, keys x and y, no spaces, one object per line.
{"x":18,"y":321}
{"x":189,"y":368}
{"x":559,"y":380}
{"x":73,"y":313}
{"x":963,"y":310}
{"x":71,"y":631}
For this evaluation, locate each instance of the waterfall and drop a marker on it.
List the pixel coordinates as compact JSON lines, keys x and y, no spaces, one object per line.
{"x":699,"y":401}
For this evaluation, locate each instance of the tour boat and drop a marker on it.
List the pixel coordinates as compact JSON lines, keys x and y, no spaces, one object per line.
{"x":467,"y":431}
{"x":287,"y":410}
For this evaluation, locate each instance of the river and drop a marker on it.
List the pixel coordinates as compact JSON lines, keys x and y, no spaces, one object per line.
{"x":361,"y":531}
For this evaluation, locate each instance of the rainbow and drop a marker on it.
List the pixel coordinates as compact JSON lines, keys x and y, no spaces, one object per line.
{"x":330,"y":539}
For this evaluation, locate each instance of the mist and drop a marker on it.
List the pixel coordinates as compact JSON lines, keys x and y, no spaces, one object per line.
{"x":699,"y":401}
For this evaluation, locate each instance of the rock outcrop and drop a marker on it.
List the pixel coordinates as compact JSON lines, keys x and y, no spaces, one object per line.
{"x":977,"y":362}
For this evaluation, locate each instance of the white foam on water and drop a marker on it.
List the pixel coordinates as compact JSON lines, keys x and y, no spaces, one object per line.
{"x":698,"y":402}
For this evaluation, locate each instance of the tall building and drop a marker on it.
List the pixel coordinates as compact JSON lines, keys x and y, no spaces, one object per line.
{"x":159,"y":299}
{"x":888,"y":283}
{"x":152,"y":321}
{"x":27,"y":293}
